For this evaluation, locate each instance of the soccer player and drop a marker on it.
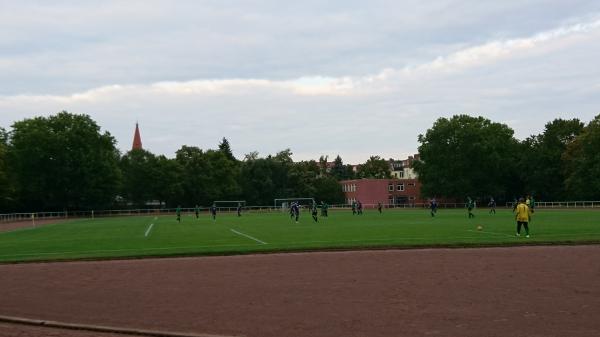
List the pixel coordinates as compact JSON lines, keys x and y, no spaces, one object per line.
{"x":178,"y":212}
{"x":296,"y":211}
{"x":314,"y":212}
{"x":197,"y":210}
{"x":532,"y":204}
{"x":354,"y":208}
{"x":492,"y":206}
{"x":470,"y":206}
{"x":523,"y":216}
{"x":433,"y":206}
{"x":213,"y":212}
{"x":379,"y":207}
{"x":326,"y":210}
{"x":239,"y":209}
{"x":359,"y":207}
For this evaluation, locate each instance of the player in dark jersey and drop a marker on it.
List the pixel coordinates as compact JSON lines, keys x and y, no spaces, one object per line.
{"x":492,"y":206}
{"x":314,"y":212}
{"x":197,"y":210}
{"x":359,"y":207}
{"x":470,"y":206}
{"x":379,"y":207}
{"x":433,"y":206}
{"x":239,"y":209}
{"x":354,"y":208}
{"x":178,"y":213}
{"x":213,"y":212}
{"x":296,"y":211}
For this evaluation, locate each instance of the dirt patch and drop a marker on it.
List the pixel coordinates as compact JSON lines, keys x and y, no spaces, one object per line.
{"x":11,"y":226}
{"x":517,"y":291}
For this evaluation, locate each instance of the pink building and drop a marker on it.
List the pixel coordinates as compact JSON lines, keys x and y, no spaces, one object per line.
{"x":392,"y":192}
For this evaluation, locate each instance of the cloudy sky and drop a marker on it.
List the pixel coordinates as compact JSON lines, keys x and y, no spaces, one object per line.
{"x":354,"y":78}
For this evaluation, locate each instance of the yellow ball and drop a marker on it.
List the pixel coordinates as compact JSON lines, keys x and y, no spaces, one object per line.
{"x":480,"y":227}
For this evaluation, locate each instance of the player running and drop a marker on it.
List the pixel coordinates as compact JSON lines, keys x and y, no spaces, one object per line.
{"x":523,"y":216}
{"x":492,"y":206}
{"x":354,"y":208}
{"x":433,"y":207}
{"x":314,"y":212}
{"x":213,"y":211}
{"x":295,"y":211}
{"x":359,"y":207}
{"x":470,"y":206}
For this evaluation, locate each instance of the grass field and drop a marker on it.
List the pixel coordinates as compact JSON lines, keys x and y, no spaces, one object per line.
{"x":254,"y":232}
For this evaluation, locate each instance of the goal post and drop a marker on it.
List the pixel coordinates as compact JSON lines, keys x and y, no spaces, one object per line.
{"x":285,"y":203}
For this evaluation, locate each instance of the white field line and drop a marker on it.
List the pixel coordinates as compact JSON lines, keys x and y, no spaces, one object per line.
{"x":486,"y":232}
{"x":149,"y":229}
{"x":248,"y":236}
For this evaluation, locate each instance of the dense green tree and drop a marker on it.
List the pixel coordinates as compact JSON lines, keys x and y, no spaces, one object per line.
{"x":167,"y":183}
{"x":582,"y":163}
{"x":6,"y":186}
{"x":207,"y":176}
{"x":63,"y":162}
{"x":225,"y":148}
{"x":468,"y":156}
{"x":139,"y":171}
{"x":542,"y":167}
{"x":374,"y":167}
{"x":329,"y":190}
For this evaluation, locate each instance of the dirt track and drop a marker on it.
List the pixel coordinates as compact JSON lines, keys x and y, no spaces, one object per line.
{"x":525,"y":291}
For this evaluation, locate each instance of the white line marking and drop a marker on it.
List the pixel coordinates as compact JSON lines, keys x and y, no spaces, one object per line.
{"x":493,"y":233}
{"x":248,"y":236}
{"x":149,"y":229}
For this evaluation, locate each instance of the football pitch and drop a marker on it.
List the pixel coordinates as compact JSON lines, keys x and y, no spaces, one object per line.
{"x":144,"y":236}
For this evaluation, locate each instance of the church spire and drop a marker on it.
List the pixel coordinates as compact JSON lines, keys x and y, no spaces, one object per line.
{"x":137,"y":140}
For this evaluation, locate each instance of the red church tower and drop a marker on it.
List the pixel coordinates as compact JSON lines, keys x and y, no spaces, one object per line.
{"x":137,"y":140}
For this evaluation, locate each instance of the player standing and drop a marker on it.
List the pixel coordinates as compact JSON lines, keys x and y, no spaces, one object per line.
{"x":314,"y":212}
{"x":532,"y":204}
{"x":492,"y":205}
{"x":354,"y":208}
{"x":359,"y":207}
{"x":213,"y":212}
{"x":239,"y":209}
{"x":379,"y":207}
{"x":178,"y":213}
{"x":523,"y":216}
{"x":326,"y":210}
{"x":197,"y":210}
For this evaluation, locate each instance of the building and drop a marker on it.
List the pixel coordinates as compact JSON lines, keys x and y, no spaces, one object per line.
{"x":391,"y":192}
{"x":402,"y":190}
{"x":137,"y":139}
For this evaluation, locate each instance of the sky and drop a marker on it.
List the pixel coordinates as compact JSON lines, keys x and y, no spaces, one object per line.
{"x":349,"y":78}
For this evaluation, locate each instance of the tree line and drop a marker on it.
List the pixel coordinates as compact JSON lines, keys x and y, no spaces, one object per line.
{"x":65,"y":162}
{"x":473,"y":156}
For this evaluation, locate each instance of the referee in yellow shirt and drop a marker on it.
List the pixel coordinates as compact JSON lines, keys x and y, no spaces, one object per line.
{"x":523,"y":215}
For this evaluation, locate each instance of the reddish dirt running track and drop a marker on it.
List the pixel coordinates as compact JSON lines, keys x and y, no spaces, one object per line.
{"x":519,"y":291}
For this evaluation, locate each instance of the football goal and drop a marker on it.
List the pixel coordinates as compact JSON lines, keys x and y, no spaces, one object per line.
{"x":285,"y":203}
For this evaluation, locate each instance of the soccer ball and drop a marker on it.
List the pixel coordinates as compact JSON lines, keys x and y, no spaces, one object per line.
{"x":479,"y":227}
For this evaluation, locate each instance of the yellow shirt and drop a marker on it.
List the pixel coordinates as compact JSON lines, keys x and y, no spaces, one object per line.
{"x":522,"y":212}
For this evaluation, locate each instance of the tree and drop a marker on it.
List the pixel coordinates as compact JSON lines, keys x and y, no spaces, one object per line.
{"x":542,"y":167}
{"x":225,"y":148}
{"x":63,"y":161}
{"x":375,"y":167}
{"x":167,"y":184}
{"x":582,"y":163}
{"x":6,"y":186}
{"x":468,"y":156}
{"x":329,"y":190}
{"x":139,"y":170}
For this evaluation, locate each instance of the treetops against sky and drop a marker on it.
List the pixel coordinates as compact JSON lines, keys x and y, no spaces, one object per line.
{"x":343,"y":77}
{"x":65,"y":161}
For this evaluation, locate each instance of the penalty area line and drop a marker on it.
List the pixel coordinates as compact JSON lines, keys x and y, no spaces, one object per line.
{"x":248,"y":236}
{"x":149,"y":229}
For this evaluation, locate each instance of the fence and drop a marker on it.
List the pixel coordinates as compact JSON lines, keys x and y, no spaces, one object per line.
{"x":15,"y":217}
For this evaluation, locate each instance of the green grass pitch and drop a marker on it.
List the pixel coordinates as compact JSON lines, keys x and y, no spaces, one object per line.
{"x":268,"y":232}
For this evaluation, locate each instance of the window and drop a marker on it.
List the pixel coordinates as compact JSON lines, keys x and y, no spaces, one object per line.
{"x":411,"y":184}
{"x":400,"y":187}
{"x":390,"y":187}
{"x":353,"y":188}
